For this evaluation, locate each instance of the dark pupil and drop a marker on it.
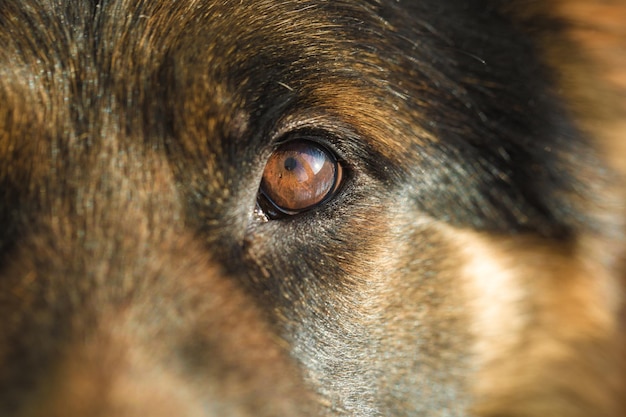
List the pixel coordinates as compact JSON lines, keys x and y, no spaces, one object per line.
{"x":291,"y":164}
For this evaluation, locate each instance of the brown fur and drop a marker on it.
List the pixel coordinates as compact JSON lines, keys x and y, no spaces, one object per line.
{"x":472,"y":263}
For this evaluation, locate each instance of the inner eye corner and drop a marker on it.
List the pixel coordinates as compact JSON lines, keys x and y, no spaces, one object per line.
{"x":302,"y":173}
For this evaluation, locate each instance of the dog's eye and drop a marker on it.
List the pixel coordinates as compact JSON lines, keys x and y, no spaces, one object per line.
{"x":300,"y":175}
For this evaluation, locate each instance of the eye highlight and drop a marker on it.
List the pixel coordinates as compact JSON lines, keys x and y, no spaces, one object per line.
{"x":300,"y":175}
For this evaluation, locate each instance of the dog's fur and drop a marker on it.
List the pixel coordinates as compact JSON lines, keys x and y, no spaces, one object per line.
{"x":470,"y":264}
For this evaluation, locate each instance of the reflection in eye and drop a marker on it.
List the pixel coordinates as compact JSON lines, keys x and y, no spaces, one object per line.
{"x":300,"y":175}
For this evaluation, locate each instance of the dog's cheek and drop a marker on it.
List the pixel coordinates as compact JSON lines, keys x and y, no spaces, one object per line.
{"x":552,"y":308}
{"x":424,"y":332}
{"x":376,"y":311}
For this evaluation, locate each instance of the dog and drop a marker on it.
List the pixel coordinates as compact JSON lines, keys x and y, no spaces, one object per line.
{"x":311,"y":208}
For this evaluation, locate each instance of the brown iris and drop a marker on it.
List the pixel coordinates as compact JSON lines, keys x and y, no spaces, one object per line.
{"x":300,"y":175}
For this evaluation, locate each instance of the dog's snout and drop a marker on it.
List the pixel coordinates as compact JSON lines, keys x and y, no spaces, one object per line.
{"x":87,"y":326}
{"x":105,"y":377}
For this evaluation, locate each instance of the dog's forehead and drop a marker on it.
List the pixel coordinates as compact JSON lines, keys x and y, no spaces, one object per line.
{"x":79,"y":63}
{"x":219,"y":80}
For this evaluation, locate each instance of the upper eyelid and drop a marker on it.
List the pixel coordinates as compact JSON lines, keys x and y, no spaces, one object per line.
{"x":327,"y":140}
